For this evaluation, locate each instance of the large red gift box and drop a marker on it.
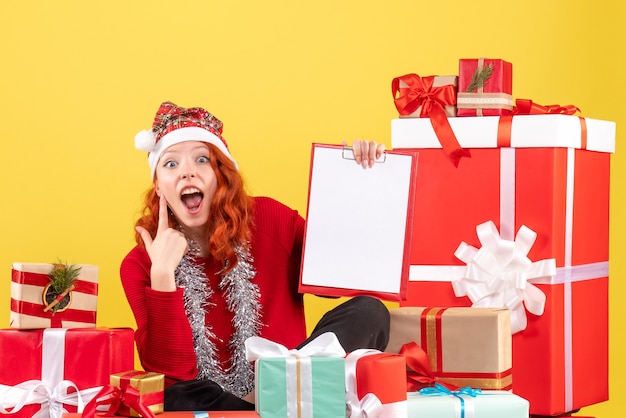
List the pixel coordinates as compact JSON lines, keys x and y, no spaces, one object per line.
{"x":43,"y":369}
{"x":29,"y":286}
{"x":550,"y":175}
{"x":491,"y":98}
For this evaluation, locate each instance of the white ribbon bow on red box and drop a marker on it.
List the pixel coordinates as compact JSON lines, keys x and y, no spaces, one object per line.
{"x":497,"y":275}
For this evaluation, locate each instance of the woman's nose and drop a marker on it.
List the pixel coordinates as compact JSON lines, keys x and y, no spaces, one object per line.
{"x":187,"y":170}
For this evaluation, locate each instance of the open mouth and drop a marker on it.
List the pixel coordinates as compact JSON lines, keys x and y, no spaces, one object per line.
{"x":191,"y":198}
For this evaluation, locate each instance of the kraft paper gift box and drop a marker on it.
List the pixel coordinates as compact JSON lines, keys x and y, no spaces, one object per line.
{"x":56,"y":370}
{"x":375,"y":384}
{"x":194,"y":414}
{"x":491,"y":98}
{"x":411,"y":92}
{"x":465,"y":346}
{"x":29,"y":289}
{"x":466,"y":403}
{"x":549,"y":176}
{"x":306,"y":382}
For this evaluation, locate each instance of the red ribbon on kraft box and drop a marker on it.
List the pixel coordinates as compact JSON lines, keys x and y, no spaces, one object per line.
{"x":420,"y":92}
{"x":125,"y":399}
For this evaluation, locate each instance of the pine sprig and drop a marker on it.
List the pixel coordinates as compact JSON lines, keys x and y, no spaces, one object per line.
{"x":480,"y":78}
{"x":63,"y":276}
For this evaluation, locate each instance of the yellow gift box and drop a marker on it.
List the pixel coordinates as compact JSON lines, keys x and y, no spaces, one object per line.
{"x":149,"y":385}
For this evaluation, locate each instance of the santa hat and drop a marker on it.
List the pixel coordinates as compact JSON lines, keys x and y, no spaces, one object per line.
{"x":174,"y":124}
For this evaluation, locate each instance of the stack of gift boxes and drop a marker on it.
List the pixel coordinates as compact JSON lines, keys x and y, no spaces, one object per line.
{"x":506,"y":308}
{"x":511,"y":211}
{"x":53,"y":359}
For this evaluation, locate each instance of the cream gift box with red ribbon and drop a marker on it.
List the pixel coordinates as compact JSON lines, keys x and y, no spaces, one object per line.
{"x":29,"y":286}
{"x":309,"y":382}
{"x":48,"y":372}
{"x":545,"y":188}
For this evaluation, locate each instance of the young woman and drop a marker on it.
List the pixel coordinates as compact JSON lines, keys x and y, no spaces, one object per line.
{"x":214,"y":266}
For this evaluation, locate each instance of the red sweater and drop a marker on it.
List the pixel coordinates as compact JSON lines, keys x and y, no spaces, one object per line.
{"x":164,"y":337}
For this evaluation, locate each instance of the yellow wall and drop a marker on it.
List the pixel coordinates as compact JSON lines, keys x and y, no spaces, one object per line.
{"x":78,"y":79}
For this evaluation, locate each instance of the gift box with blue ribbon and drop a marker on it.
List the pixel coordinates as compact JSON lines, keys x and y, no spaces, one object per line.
{"x":441,"y":402}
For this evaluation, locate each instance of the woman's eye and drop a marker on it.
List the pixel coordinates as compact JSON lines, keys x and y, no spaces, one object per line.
{"x":203,"y":160}
{"x":169,"y":164}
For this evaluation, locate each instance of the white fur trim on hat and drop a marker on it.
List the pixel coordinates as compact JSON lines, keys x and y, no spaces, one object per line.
{"x":191,"y":133}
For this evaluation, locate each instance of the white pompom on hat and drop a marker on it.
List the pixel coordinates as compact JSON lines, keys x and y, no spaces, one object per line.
{"x":174,"y":124}
{"x":145,"y":140}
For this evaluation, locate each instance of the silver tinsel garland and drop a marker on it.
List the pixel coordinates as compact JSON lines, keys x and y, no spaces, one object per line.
{"x":242,"y":299}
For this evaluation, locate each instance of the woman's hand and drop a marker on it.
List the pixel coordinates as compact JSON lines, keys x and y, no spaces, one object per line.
{"x":166,"y":250}
{"x":366,"y":152}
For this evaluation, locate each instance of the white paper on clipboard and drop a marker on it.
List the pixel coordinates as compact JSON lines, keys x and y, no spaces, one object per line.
{"x":357,"y":224}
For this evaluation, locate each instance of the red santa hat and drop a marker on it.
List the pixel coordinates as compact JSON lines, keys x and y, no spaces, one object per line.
{"x":174,"y":124}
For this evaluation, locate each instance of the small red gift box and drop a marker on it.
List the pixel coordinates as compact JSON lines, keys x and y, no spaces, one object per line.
{"x":485,"y":87}
{"x":71,"y":365}
{"x":30,"y":291}
{"x":552,"y":177}
{"x":376,"y":384}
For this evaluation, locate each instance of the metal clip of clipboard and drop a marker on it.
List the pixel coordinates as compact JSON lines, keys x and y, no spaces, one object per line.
{"x":348,"y":154}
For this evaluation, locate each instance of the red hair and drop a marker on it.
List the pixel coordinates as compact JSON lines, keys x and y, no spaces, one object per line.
{"x":231,"y":211}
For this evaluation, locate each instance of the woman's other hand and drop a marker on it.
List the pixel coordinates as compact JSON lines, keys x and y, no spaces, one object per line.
{"x":366,"y":152}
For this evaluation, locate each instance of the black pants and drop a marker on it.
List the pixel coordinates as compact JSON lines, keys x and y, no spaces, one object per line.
{"x":360,"y":322}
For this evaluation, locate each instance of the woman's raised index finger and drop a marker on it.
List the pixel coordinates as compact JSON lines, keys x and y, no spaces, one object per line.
{"x":163,"y":217}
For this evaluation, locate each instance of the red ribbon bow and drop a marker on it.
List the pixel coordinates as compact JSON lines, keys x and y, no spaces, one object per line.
{"x":420,"y":92}
{"x":528,"y":107}
{"x":419,"y":373}
{"x":117,"y":399}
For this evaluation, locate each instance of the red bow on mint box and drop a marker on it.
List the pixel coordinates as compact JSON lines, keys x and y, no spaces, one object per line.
{"x":420,"y":92}
{"x":528,"y":107}
{"x":419,"y":373}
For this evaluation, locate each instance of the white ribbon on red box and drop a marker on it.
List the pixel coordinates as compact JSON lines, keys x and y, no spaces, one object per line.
{"x":497,"y":274}
{"x":52,"y":390}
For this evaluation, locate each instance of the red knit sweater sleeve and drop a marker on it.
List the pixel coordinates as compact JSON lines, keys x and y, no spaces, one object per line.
{"x":163,"y":337}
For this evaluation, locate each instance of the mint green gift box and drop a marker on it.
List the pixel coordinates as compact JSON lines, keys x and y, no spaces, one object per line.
{"x":307,"y":383}
{"x":484,"y":404}
{"x":277,"y":387}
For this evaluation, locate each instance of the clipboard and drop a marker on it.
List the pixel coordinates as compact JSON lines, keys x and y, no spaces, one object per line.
{"x":359,"y":223}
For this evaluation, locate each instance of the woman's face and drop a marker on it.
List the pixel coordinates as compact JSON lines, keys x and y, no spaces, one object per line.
{"x":185,"y":177}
